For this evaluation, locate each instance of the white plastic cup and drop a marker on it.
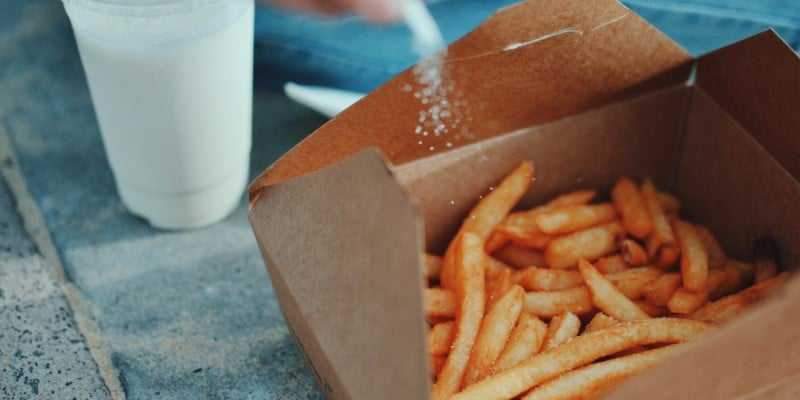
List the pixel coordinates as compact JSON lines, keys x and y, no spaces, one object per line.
{"x":171,"y":83}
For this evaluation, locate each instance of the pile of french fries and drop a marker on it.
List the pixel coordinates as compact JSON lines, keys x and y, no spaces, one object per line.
{"x":568,"y":299}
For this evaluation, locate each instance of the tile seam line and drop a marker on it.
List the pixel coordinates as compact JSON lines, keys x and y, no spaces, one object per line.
{"x":36,"y":228}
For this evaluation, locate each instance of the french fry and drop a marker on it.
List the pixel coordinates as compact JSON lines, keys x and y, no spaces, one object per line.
{"x":437,"y":320}
{"x":497,"y":285}
{"x":631,"y":207}
{"x":632,"y":253}
{"x":521,"y":227}
{"x":599,"y":321}
{"x":563,"y":220}
{"x":436,"y":363}
{"x":631,"y":282}
{"x":651,"y":310}
{"x":578,"y":352}
{"x":716,"y":256}
{"x":662,"y":237}
{"x":494,"y":266}
{"x":497,"y":240}
{"x":685,"y":302}
{"x":470,"y":292}
{"x":525,"y":341}
{"x":519,"y":257}
{"x":591,"y":244}
{"x":533,"y":278}
{"x":549,"y":304}
{"x":723,"y":281}
{"x":726,"y":280}
{"x":489,"y":213}
{"x":607,"y":297}
{"x":595,"y":380}
{"x":694,"y":258}
{"x":538,"y":241}
{"x":728,"y":307}
{"x":495,"y":206}
{"x":602,"y":321}
{"x":739,"y":275}
{"x":659,"y":291}
{"x":440,"y":336}
{"x":611,"y":264}
{"x":576,"y":198}
{"x":765,"y":259}
{"x":439,"y":303}
{"x":669,"y":203}
{"x":486,"y":340}
{"x":667,"y":257}
{"x":653,"y":247}
{"x":433,"y":266}
{"x":561,"y":329}
{"x":494,"y":333}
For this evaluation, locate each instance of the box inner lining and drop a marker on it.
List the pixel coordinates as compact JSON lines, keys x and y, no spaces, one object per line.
{"x":677,"y":136}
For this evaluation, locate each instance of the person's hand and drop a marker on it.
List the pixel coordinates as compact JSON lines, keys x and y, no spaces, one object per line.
{"x":374,"y":10}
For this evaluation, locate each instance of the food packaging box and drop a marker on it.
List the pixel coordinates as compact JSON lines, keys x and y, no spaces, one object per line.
{"x":589,"y":92}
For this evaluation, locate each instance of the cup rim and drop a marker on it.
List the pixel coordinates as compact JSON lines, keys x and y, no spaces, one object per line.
{"x":141,"y":8}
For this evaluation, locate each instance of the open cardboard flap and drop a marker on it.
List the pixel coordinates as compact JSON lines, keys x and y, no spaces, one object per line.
{"x":343,"y":244}
{"x":758,"y":81}
{"x":609,"y":53}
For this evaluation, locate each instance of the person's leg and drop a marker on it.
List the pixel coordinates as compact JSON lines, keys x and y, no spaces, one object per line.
{"x":348,"y":53}
{"x":705,"y":25}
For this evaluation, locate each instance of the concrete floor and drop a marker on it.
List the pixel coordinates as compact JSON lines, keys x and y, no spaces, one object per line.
{"x":94,"y":303}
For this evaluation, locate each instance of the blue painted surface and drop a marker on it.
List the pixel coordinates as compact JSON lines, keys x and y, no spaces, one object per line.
{"x":192,"y":315}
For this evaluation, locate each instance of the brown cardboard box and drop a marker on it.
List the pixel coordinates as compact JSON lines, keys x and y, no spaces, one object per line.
{"x":341,"y":227}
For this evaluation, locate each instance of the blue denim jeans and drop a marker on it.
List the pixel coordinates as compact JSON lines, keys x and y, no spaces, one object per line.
{"x":348,"y":53}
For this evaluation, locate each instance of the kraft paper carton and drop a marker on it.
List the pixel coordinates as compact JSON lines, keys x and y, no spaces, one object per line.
{"x":344,"y":218}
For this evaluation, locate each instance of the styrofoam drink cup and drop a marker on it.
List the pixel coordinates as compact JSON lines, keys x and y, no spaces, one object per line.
{"x":171,"y":84}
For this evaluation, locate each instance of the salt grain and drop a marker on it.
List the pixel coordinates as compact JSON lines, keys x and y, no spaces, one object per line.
{"x":435,"y":92}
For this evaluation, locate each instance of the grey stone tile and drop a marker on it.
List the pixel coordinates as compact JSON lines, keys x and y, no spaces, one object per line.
{"x":183,"y":315}
{"x":42,"y":353}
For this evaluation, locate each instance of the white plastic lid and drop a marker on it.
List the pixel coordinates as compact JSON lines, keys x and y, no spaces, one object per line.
{"x":151,"y":21}
{"x":142,"y":8}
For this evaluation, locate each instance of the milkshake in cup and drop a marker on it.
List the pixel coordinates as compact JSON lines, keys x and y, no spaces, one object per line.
{"x":171,"y":83}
